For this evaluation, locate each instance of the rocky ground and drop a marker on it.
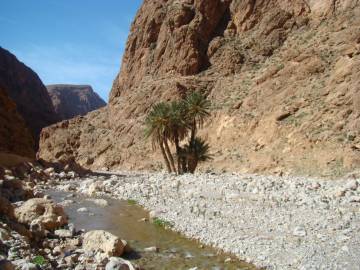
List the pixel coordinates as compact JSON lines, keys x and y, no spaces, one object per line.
{"x":272,"y":222}
{"x":275,"y":222}
{"x":35,"y":233}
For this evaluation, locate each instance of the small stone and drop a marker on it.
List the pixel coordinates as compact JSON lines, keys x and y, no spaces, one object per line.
{"x":355,"y":199}
{"x":188,"y":255}
{"x":83,"y":210}
{"x":62,"y":175}
{"x":99,"y":202}
{"x":62,"y":233}
{"x":345,"y":249}
{"x":299,"y":231}
{"x":4,"y":235}
{"x":57,"y":250}
{"x":49,"y":170}
{"x":151,"y":249}
{"x":351,"y":185}
{"x":66,"y":203}
{"x":29,"y":266}
{"x":340,"y":193}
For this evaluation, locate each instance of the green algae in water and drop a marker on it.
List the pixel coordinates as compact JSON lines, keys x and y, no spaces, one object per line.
{"x":162,"y":223}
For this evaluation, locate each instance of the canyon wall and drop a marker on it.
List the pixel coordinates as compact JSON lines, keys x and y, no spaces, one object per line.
{"x":16,"y":141}
{"x":26,"y":89}
{"x":283,"y":78}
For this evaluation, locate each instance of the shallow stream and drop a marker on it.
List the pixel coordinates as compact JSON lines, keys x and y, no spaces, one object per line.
{"x":125,"y":219}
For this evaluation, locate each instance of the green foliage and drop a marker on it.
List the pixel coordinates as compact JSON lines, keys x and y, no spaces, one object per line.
{"x":196,"y":151}
{"x":39,"y":260}
{"x":197,"y":108}
{"x":162,"y":223}
{"x":199,"y":149}
{"x":173,"y":122}
{"x":132,"y":202}
{"x":158,"y":123}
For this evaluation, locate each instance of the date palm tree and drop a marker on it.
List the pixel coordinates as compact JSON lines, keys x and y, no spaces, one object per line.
{"x":158,"y":128}
{"x":178,"y":130}
{"x":197,"y":110}
{"x":173,"y":122}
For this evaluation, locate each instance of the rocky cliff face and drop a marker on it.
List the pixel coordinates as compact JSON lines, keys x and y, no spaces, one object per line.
{"x":73,"y":100}
{"x":282,"y":76}
{"x":15,"y":137}
{"x":25,"y":88}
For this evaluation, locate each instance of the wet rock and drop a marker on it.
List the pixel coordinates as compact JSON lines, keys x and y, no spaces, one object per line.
{"x":66,"y":203}
{"x":82,"y":210}
{"x":103,"y":241}
{"x":43,"y":212}
{"x":29,"y":266}
{"x":6,"y":265}
{"x":4,"y":235}
{"x":100,"y":202}
{"x":116,"y":263}
{"x":151,"y":249}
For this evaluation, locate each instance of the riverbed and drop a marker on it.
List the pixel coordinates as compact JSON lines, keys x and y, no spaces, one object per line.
{"x":130,"y":222}
{"x":267,"y":221}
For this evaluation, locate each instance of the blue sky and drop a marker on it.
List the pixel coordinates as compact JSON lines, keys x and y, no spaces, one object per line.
{"x":69,"y":41}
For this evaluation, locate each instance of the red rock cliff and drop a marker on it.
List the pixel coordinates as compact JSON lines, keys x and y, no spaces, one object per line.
{"x":282,"y":76}
{"x":25,"y":88}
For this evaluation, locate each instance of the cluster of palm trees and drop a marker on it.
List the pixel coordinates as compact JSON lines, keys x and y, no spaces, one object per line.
{"x":175,"y":122}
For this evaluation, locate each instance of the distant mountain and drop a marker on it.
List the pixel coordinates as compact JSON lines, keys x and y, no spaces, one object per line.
{"x":73,"y":100}
{"x":26,"y":89}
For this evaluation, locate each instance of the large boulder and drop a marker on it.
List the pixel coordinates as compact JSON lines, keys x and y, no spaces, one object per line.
{"x":6,"y":265}
{"x":42,"y":212}
{"x":102,"y":241}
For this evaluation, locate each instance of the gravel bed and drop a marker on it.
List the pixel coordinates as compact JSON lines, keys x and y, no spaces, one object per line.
{"x":272,"y":222}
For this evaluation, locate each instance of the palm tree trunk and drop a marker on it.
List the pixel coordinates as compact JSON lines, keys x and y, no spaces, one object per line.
{"x":168,"y":152}
{"x":178,"y":150}
{"x":165,"y":157}
{"x":193,"y":131}
{"x":192,"y":164}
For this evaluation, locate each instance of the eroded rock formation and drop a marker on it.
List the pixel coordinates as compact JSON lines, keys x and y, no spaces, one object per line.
{"x":73,"y":100}
{"x":282,"y":76}
{"x":15,"y":137}
{"x":25,"y":88}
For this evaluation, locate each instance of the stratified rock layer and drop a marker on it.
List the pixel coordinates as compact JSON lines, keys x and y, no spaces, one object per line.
{"x":282,"y":76}
{"x":74,"y":100}
{"x":25,"y":88}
